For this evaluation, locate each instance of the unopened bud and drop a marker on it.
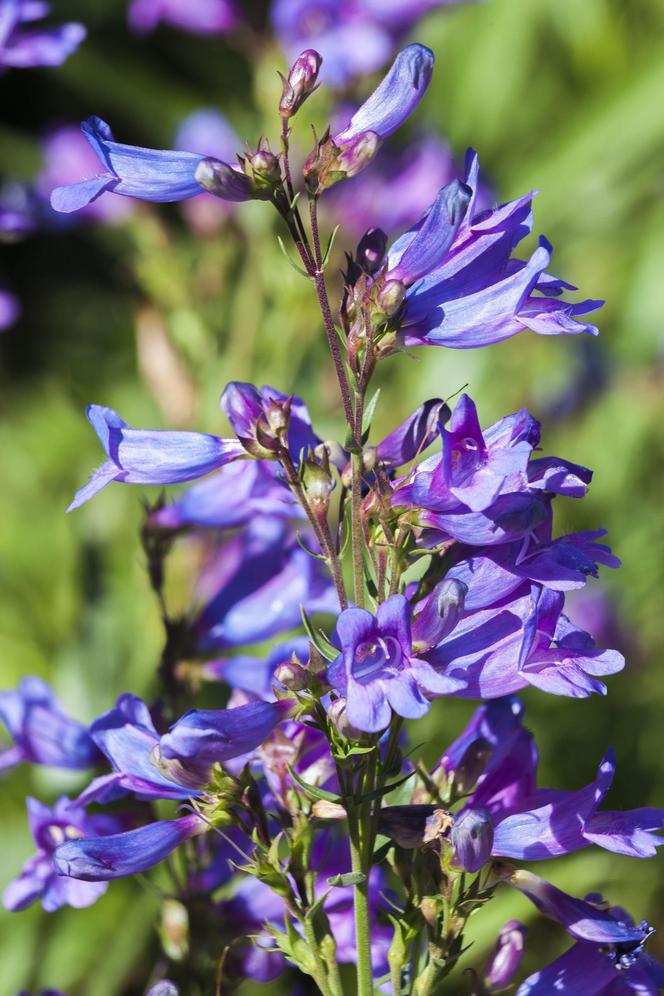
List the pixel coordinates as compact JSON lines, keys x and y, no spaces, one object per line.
{"x":324,"y":810}
{"x":414,"y":826}
{"x":505,"y":957}
{"x":318,"y":483}
{"x":391,"y":297}
{"x":292,"y":676}
{"x":338,"y":717}
{"x":472,"y":839}
{"x":266,"y":169}
{"x":277,"y":415}
{"x":371,"y":250}
{"x":224,"y":181}
{"x":328,"y":164}
{"x":300,"y":83}
{"x":437,"y":615}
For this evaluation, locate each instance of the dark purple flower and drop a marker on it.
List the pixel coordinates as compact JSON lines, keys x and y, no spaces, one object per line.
{"x":42,"y":732}
{"x":10,"y":309}
{"x":376,"y":671}
{"x":506,"y":956}
{"x":23,"y":47}
{"x":148,"y":174}
{"x":609,"y":958}
{"x":67,"y":820}
{"x":143,"y":456}
{"x":204,"y":17}
{"x":478,"y":294}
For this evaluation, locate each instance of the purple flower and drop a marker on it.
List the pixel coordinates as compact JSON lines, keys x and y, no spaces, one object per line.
{"x":472,"y":838}
{"x":10,"y":309}
{"x":204,"y":17}
{"x":255,"y":587}
{"x":23,"y":48}
{"x":67,"y":820}
{"x":376,"y":671}
{"x":477,"y":294}
{"x":117,"y":855}
{"x":609,"y":956}
{"x":68,"y":156}
{"x":143,"y":456}
{"x":148,"y":174}
{"x":414,"y":435}
{"x":42,"y":732}
{"x":266,"y":419}
{"x":505,"y":957}
{"x":394,"y":99}
{"x":233,"y":496}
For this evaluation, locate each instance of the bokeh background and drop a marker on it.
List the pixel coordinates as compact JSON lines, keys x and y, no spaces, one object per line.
{"x":151,"y":318}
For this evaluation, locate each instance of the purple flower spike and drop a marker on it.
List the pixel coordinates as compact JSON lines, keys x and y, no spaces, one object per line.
{"x":376,"y":671}
{"x":120,"y":854}
{"x":41,"y":731}
{"x":148,"y":174}
{"x":204,"y":17}
{"x":395,"y":98}
{"x":506,"y":956}
{"x":143,"y":456}
{"x":67,"y":820}
{"x":23,"y":48}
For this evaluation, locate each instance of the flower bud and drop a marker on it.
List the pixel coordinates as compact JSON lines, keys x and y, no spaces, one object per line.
{"x":318,"y":483}
{"x":390,"y":297}
{"x":300,"y":83}
{"x":174,"y":929}
{"x":437,"y":615}
{"x":224,"y":181}
{"x":329,"y":163}
{"x":414,"y":826}
{"x":371,"y":250}
{"x":336,"y":714}
{"x":505,"y":957}
{"x":266,"y":169}
{"x":472,"y":839}
{"x":292,"y":676}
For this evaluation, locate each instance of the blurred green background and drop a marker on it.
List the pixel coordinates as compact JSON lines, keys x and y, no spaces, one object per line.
{"x":562,"y":96}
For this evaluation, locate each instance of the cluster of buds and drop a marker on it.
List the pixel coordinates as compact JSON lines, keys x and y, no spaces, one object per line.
{"x":255,"y":177}
{"x":328,"y":163}
{"x":261,"y":419}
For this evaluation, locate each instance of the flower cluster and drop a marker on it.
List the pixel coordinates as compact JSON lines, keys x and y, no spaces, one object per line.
{"x":345,"y":851}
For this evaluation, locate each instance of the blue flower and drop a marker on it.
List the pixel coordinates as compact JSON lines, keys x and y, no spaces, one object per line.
{"x":376,"y":671}
{"x":144,"y":456}
{"x":475,"y":293}
{"x":42,"y":732}
{"x":149,"y":174}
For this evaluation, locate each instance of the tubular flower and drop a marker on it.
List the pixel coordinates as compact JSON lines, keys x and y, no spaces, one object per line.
{"x":477,"y":294}
{"x":42,"y":732}
{"x":144,"y":456}
{"x":149,"y":174}
{"x":376,"y":671}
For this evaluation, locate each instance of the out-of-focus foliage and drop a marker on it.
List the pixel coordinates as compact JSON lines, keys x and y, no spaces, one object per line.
{"x":558,"y":95}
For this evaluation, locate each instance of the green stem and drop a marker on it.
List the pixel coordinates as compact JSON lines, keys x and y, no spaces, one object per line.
{"x":356,"y":531}
{"x":320,"y":974}
{"x":425,"y":983}
{"x":361,"y":906}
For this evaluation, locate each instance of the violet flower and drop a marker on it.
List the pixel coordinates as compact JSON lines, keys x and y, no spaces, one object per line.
{"x":143,"y":456}
{"x":24,"y":47}
{"x":505,"y":957}
{"x":377,"y":672}
{"x":42,"y":732}
{"x":50,"y":827}
{"x":204,"y":17}
{"x":149,"y":174}
{"x":478,"y":294}
{"x":609,"y":955}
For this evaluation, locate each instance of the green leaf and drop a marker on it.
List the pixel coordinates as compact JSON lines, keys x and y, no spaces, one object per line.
{"x":386,"y":789}
{"x":319,"y":640}
{"x":312,"y":791}
{"x":368,"y":415}
{"x":348,"y":878}
{"x":294,"y":265}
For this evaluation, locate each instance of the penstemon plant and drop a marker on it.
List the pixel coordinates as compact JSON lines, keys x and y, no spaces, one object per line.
{"x":303,"y":832}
